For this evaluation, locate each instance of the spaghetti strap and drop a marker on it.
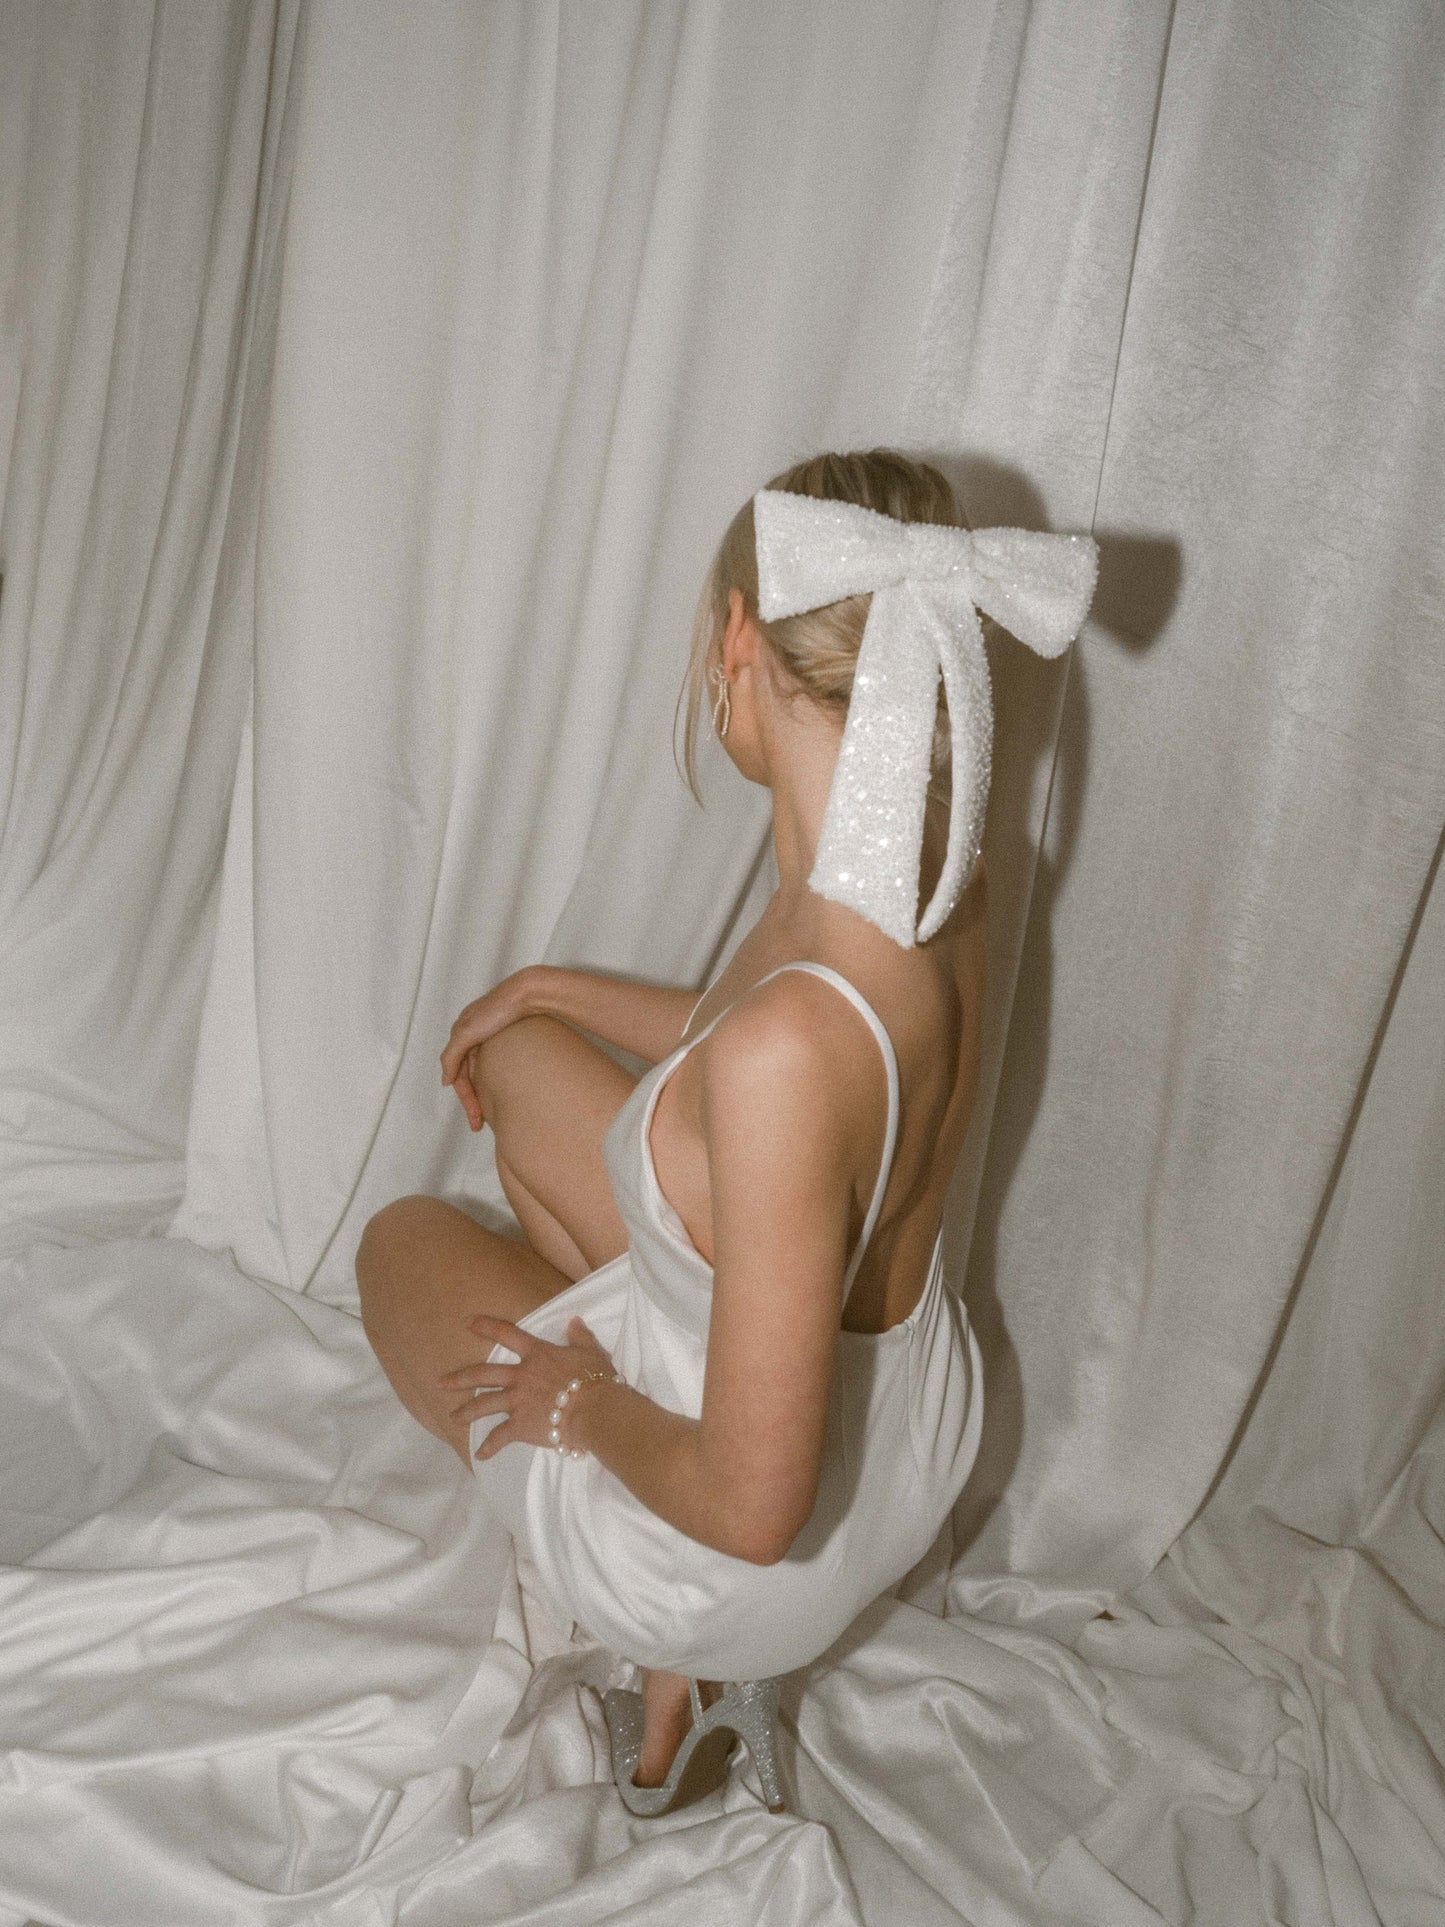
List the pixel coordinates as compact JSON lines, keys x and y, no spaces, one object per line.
{"x":703,"y":995}
{"x":890,"y":1065}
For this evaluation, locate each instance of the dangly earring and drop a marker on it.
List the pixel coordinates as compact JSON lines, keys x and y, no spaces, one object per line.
{"x":722,"y":702}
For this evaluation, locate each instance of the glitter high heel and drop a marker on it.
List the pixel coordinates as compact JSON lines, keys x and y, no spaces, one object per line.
{"x":746,"y":1711}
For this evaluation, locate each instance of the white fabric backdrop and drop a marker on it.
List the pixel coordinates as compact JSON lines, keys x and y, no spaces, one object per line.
{"x":133,"y":155}
{"x":506,"y":345}
{"x":1245,"y":807}
{"x":379,"y":382}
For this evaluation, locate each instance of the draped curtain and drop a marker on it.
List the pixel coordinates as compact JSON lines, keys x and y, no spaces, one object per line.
{"x":374,"y":383}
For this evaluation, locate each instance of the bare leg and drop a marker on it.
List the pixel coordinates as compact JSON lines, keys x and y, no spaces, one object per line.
{"x":423,"y":1269}
{"x":549,"y":1096}
{"x":546,"y":1234}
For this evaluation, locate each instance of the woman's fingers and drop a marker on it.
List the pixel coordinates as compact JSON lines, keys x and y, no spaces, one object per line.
{"x":463,"y":1034}
{"x":474,"y":1026}
{"x":581,"y":1335}
{"x":480,"y":1405}
{"x":499,"y":1436}
{"x":525,"y":1390}
{"x":458,"y":1045}
{"x":467,"y":1095}
{"x":467,"y":1087}
{"x":475,"y":1378}
{"x":501,"y":1331}
{"x":459,"y":1069}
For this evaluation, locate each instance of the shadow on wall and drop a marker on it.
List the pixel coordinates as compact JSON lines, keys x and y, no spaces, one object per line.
{"x":1036,"y":703}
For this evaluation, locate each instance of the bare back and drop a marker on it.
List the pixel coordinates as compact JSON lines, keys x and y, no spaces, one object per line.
{"x":930,"y":1000}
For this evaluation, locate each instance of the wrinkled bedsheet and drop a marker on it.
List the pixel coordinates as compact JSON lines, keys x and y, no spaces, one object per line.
{"x":264,"y":1659}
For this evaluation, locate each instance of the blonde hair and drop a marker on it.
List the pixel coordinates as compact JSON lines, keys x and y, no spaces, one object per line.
{"x":818,"y":650}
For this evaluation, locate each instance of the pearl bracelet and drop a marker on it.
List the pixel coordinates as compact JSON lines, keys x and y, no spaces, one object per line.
{"x":554,"y":1420}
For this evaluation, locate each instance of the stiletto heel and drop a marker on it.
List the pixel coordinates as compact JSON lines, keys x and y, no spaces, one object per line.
{"x":745,"y":1711}
{"x":755,"y":1721}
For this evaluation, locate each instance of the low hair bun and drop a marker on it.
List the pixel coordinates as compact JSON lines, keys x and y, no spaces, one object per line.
{"x":817,"y":650}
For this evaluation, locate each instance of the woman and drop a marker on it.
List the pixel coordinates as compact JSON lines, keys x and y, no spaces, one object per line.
{"x":728,"y":1319}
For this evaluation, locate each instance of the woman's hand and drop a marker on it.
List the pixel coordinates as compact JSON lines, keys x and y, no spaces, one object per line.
{"x":525,"y":1392}
{"x":513,"y":997}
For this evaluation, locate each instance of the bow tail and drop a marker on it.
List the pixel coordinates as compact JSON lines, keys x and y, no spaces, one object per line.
{"x":967,"y":685}
{"x":872,"y":833}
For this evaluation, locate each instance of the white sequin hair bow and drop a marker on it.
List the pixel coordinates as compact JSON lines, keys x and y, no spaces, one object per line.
{"x":928,"y":582}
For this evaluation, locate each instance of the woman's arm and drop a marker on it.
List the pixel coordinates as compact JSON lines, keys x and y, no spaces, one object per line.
{"x":792,"y":1106}
{"x":645,"y":1019}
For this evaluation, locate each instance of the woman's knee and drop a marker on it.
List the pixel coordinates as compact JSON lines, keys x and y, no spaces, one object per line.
{"x":395,"y":1224}
{"x":507,"y":1066}
{"x":510,"y":1055}
{"x":389,"y":1238}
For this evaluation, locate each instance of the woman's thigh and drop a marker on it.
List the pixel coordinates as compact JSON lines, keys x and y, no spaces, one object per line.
{"x":549,"y":1096}
{"x":423,"y":1269}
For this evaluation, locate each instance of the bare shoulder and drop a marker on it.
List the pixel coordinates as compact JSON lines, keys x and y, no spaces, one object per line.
{"x":788,"y":1025}
{"x":793,"y":1045}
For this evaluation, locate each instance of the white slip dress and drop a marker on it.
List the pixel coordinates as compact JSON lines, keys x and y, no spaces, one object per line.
{"x":903,"y":1428}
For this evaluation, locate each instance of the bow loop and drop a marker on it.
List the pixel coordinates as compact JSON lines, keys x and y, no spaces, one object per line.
{"x":812,"y":551}
{"x":928,"y":580}
{"x":1036,"y":586}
